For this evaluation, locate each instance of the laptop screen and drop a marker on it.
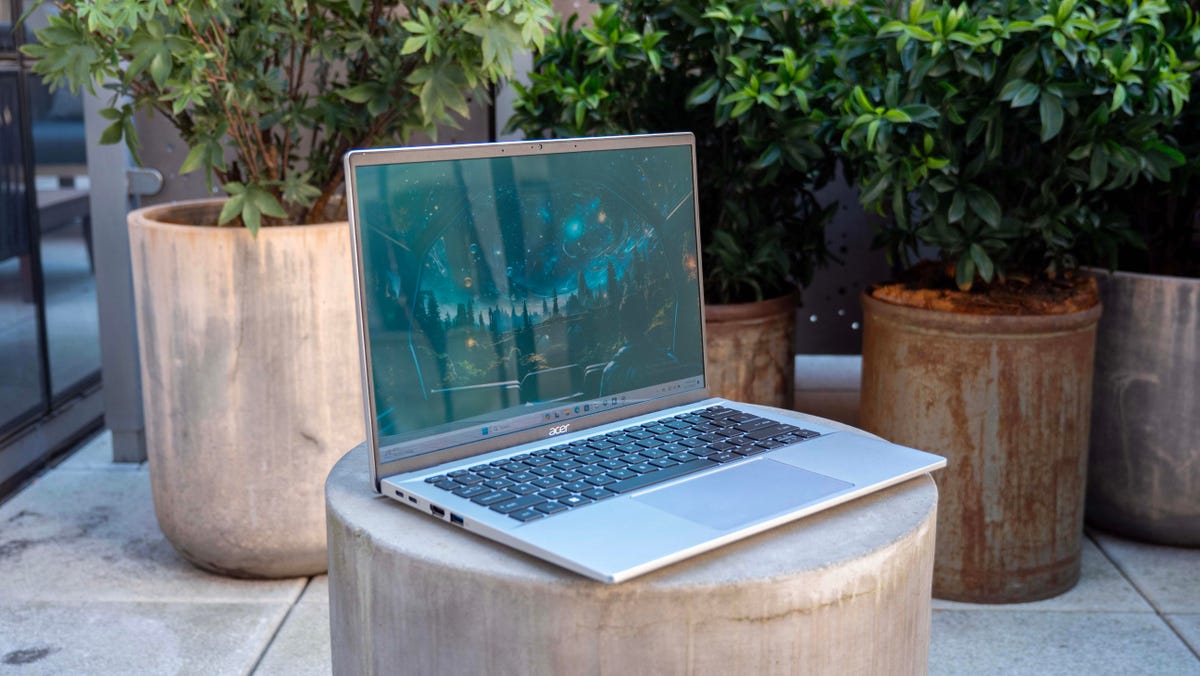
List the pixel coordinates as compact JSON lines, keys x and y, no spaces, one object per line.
{"x":503,"y":293}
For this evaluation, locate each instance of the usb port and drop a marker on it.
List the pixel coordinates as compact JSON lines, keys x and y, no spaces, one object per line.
{"x":454,"y":518}
{"x":412,"y":499}
{"x":437,"y":511}
{"x":399,"y":494}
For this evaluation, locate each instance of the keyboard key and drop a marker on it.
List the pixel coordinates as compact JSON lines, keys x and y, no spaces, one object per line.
{"x":609,"y":453}
{"x":435,"y":479}
{"x":756,"y":424}
{"x":663,"y":462}
{"x":753,"y":449}
{"x":575,"y":501}
{"x":766,"y":432}
{"x":622,"y":474}
{"x":555,"y":456}
{"x":523,"y":489}
{"x":491,"y":498}
{"x":662,"y":475}
{"x":611,"y":464}
{"x":469,"y":479}
{"x":544,"y":471}
{"x":514,"y":467}
{"x":577,"y":486}
{"x":598,"y":494}
{"x":724,"y":456}
{"x":457,"y":473}
{"x":517,"y":503}
{"x":498,"y":483}
{"x":554,"y":493}
{"x":591,"y":470}
{"x":448,"y":485}
{"x":590,"y":459}
{"x":601,"y":480}
{"x":491,"y":473}
{"x":567,"y":464}
{"x":476,"y":468}
{"x":551,"y":507}
{"x":472,"y":491}
{"x":653,"y":453}
{"x":526,"y":514}
{"x":808,"y":434}
{"x":642,"y":468}
{"x":522,"y":477}
{"x":681,"y":457}
{"x":538,"y":461}
{"x":569,"y":476}
{"x":546,"y":482}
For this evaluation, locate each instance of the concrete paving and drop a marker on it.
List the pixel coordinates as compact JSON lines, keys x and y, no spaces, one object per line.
{"x":89,"y":585}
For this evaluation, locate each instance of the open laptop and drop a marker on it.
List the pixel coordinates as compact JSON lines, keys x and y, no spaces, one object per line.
{"x":531,"y":324}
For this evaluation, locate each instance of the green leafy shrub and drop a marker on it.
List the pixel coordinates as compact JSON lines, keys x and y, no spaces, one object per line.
{"x":269,"y":94}
{"x":742,"y":76}
{"x":1167,"y":215}
{"x":995,"y":131}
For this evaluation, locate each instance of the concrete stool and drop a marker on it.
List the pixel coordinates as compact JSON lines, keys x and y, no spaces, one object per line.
{"x":844,"y":591}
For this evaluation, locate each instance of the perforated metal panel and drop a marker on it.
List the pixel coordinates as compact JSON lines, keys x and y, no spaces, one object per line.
{"x":829,"y":320}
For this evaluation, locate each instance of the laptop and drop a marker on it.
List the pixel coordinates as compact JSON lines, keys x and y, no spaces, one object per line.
{"x":531,"y":323}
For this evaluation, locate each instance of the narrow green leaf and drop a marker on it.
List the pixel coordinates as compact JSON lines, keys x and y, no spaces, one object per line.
{"x":195,"y":159}
{"x":984,"y":205}
{"x":964,"y":274}
{"x":1051,"y":112}
{"x":112,"y":133}
{"x":958,"y":207}
{"x":232,"y":209}
{"x":983,"y":262}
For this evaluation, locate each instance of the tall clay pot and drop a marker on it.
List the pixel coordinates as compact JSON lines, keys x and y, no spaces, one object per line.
{"x":250,"y":381}
{"x":1007,"y":400}
{"x":1144,"y":473}
{"x":751,"y":353}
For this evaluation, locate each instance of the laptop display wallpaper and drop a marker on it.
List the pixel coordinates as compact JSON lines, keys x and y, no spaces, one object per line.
{"x":503,"y":293}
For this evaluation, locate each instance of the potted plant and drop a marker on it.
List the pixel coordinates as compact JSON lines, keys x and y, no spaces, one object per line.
{"x":991,"y":133}
{"x":249,"y":359}
{"x":742,"y":77}
{"x":1144,"y":467}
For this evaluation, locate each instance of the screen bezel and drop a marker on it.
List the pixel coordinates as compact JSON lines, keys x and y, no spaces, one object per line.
{"x":369,"y":157}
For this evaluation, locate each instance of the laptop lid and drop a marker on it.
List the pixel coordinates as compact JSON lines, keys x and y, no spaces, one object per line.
{"x":510,"y":292}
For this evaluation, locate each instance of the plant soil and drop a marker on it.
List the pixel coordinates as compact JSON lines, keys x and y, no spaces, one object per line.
{"x":927,"y":286}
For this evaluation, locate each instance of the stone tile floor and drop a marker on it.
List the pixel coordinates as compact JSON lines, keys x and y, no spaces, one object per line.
{"x":88,"y":585}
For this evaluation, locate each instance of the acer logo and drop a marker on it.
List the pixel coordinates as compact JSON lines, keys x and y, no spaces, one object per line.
{"x":559,"y":430}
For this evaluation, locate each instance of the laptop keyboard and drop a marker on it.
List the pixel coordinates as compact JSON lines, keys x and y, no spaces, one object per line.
{"x":554,"y":480}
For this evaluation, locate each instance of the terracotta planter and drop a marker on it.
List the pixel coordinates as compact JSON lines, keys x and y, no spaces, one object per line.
{"x":1144,"y":472}
{"x":750,"y":349}
{"x":1007,"y":400}
{"x":250,"y":381}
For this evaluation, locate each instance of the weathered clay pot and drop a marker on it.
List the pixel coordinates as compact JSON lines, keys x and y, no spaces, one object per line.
{"x":1144,"y":472}
{"x":250,"y":381}
{"x":750,"y":349}
{"x":1007,"y":400}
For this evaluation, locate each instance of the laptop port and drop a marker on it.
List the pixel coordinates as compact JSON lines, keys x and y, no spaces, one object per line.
{"x":454,"y":518}
{"x":412,"y":499}
{"x":437,"y":511}
{"x":399,"y":494}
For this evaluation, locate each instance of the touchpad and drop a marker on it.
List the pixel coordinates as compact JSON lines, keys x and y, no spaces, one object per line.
{"x":743,"y":494}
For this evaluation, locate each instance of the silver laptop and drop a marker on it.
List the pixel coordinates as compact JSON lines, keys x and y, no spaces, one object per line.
{"x":531,"y":323}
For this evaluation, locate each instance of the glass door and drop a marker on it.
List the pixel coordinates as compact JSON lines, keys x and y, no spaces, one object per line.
{"x":49,"y":329}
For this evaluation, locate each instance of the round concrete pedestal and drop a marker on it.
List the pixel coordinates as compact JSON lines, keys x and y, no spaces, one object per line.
{"x":843,"y":591}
